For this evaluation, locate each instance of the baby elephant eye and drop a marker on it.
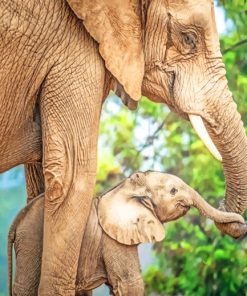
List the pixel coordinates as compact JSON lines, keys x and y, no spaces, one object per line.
{"x":190,"y":39}
{"x":173,"y":191}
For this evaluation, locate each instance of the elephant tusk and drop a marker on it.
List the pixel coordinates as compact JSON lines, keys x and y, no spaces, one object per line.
{"x":200,"y":129}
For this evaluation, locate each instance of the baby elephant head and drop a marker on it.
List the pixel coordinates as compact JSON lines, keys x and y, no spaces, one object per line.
{"x":133,"y":211}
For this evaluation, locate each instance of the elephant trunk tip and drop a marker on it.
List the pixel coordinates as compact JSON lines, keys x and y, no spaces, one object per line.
{"x":234,"y":229}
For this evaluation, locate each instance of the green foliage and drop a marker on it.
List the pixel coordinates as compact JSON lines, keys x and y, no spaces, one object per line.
{"x":196,"y":260}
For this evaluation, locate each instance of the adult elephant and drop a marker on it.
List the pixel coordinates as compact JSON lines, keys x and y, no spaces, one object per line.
{"x":64,"y":57}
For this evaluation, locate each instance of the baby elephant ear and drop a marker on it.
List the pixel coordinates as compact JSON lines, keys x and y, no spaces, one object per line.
{"x":129,"y":220}
{"x":116,"y":26}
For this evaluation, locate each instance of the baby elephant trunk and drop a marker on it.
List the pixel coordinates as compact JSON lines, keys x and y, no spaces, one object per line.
{"x":210,"y":212}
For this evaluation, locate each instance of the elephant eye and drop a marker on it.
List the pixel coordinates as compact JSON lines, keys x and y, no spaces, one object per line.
{"x":173,"y":191}
{"x":189,"y":39}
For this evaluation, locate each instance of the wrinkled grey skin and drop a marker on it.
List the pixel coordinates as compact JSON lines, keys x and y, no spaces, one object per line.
{"x":130,"y":213}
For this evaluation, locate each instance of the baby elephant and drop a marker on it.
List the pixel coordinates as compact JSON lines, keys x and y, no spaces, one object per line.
{"x":127,"y":215}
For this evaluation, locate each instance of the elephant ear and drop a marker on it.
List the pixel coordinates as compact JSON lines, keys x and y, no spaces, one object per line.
{"x":116,"y":26}
{"x":129,"y":220}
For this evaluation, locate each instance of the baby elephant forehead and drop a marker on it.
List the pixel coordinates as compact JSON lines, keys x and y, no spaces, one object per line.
{"x":155,"y":176}
{"x":172,"y":182}
{"x":164,"y":180}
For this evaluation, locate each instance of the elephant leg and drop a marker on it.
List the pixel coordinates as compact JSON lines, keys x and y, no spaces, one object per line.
{"x":70,"y":112}
{"x":123,"y":268}
{"x":34,"y":180}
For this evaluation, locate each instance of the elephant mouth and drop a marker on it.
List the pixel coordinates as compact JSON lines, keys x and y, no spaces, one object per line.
{"x":181,"y":211}
{"x":186,"y":208}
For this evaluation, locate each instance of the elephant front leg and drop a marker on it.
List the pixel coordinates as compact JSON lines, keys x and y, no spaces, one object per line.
{"x":70,"y":123}
{"x":122,"y":268}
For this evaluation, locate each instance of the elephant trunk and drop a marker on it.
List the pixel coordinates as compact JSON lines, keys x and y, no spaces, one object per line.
{"x":235,"y":167}
{"x":210,"y":212}
{"x":223,"y":133}
{"x":228,"y":134}
{"x":231,"y":142}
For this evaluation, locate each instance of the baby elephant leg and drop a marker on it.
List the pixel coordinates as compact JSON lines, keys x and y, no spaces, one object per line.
{"x":123,"y":268}
{"x":26,"y":233}
{"x":134,"y":288}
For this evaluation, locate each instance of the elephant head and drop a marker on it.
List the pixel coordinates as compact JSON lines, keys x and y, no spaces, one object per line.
{"x":133,"y":211}
{"x":169,"y":51}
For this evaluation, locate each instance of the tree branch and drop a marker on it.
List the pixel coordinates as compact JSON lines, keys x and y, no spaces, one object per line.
{"x":234,"y":46}
{"x":150,"y":139}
